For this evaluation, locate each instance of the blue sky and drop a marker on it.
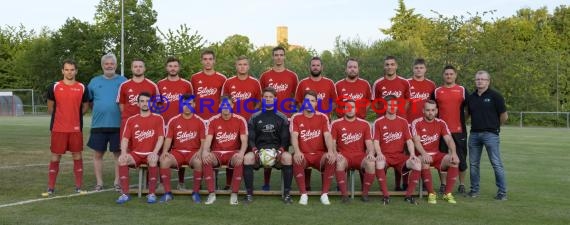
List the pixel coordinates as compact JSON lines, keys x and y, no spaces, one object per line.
{"x":312,"y":23}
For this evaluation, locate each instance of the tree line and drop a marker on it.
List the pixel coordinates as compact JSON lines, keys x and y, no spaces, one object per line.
{"x":526,"y":53}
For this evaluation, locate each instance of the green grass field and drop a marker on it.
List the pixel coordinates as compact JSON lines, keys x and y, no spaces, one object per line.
{"x":536,"y":161}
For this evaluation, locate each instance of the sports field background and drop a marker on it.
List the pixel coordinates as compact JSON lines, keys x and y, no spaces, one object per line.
{"x":536,"y":162}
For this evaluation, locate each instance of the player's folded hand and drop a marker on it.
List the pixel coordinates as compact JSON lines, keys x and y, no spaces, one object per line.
{"x":298,"y":157}
{"x":380,"y":157}
{"x":454,"y":159}
{"x":427,"y":159}
{"x":330,"y":158}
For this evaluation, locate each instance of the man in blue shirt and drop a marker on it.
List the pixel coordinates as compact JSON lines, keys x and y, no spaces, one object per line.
{"x":106,"y":120}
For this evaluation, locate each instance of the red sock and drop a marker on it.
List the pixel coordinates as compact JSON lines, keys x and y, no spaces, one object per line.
{"x":368,"y":180}
{"x":152,"y":179}
{"x":209,"y":177}
{"x":181,"y":171}
{"x":78,"y":172}
{"x":426,"y":176}
{"x":124,"y":178}
{"x":413,"y":182}
{"x":165,"y":177}
{"x":341,"y":181}
{"x":452,"y":173}
{"x":236,"y":178}
{"x":381,"y":176}
{"x":197,"y":180}
{"x":299,"y":174}
{"x":53,"y":170}
{"x":266,"y":176}
{"x":327,"y":177}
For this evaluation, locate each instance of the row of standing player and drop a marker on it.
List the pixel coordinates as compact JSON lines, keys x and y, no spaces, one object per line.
{"x":208,"y":83}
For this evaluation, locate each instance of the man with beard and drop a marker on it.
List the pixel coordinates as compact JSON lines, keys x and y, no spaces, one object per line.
{"x":355,"y":88}
{"x":130,"y":89}
{"x":171,"y":88}
{"x":326,"y":94}
{"x":141,"y":142}
{"x":352,"y":139}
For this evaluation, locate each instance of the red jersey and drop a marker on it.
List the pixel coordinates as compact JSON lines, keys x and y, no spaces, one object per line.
{"x":325,"y":89}
{"x":285,"y":83}
{"x":430,"y":133}
{"x":358,"y":90}
{"x":451,"y":102}
{"x":311,"y":131}
{"x":392,"y":134}
{"x":207,"y":92}
{"x":129,"y":92}
{"x":420,"y":92}
{"x":243,"y":90}
{"x":68,"y":102}
{"x":143,"y":132}
{"x":398,"y":87}
{"x":186,"y":133}
{"x":226,"y":133}
{"x":350,"y":136}
{"x":172,"y":90}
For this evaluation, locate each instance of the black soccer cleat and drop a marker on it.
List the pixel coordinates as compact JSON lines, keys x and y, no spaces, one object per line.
{"x":411,"y":200}
{"x":386,"y":200}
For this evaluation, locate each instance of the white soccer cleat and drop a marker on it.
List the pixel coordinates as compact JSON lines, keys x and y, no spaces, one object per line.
{"x":304,"y":199}
{"x":325,"y":199}
{"x":211,"y":199}
{"x":233,"y":199}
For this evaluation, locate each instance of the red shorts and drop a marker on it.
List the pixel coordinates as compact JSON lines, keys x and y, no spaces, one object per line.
{"x":313,"y":160}
{"x":140,"y":157}
{"x":183,"y":157}
{"x":62,"y":142}
{"x":437,"y":159}
{"x":224,"y":157}
{"x":398,"y":161}
{"x":354,"y":160}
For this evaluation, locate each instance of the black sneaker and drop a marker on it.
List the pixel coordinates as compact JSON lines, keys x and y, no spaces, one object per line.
{"x":411,"y":200}
{"x":364,"y":198}
{"x":345,"y":199}
{"x":386,"y":200}
{"x":441,"y":189}
{"x":461,"y":189}
{"x":473,"y":194}
{"x":248,"y":199}
{"x":501,"y":197}
{"x":288,"y":199}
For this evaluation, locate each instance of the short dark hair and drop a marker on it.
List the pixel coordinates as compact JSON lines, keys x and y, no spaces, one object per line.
{"x":390,"y":97}
{"x":144,"y":93}
{"x":351,"y":59}
{"x":317,"y":58}
{"x":187,"y":96}
{"x":419,"y":61}
{"x":449,"y":67}
{"x":311,"y":93}
{"x":172,"y":59}
{"x":390,"y":57}
{"x":277,"y":49}
{"x":208,"y":52}
{"x":270,"y":90}
{"x":431,"y":101}
{"x":69,"y":62}
{"x":137,"y":59}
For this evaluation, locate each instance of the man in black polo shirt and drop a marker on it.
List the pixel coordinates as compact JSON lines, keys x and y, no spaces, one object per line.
{"x":488,"y":111}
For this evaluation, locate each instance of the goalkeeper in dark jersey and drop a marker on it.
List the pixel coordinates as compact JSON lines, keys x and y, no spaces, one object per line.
{"x":268,"y":139}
